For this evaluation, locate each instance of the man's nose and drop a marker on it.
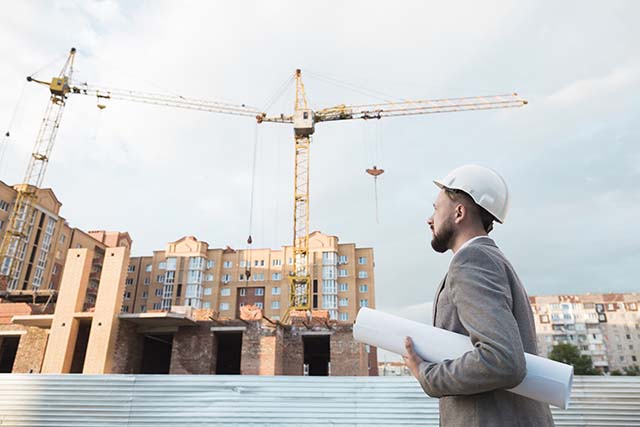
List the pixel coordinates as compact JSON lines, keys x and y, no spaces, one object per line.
{"x":430,"y":220}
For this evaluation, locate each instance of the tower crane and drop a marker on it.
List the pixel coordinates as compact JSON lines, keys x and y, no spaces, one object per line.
{"x":15,"y":239}
{"x":303,"y":119}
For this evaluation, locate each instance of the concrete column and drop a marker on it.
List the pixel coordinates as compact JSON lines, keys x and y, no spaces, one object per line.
{"x":104,"y":328}
{"x":64,"y":328}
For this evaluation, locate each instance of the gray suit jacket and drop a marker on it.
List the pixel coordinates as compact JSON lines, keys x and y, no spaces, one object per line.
{"x":482,"y":297}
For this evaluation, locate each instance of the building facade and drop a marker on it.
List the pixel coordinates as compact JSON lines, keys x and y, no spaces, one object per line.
{"x":189,"y":272}
{"x":604,"y":326}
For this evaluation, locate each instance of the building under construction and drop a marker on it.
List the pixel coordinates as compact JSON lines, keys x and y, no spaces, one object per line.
{"x":80,"y":304}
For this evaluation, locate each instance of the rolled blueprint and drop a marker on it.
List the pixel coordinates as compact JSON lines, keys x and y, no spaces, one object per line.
{"x":546,"y":380}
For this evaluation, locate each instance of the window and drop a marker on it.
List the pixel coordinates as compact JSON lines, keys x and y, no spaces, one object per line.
{"x":147,"y":280}
{"x":226,"y":278}
{"x":131,"y":268}
{"x":243,"y":263}
{"x":145,"y":294}
{"x":290,"y":261}
{"x":156,"y":306}
{"x":363,"y":288}
{"x":241,"y":277}
{"x":257,"y":277}
{"x":628,"y":336}
{"x":160,"y":278}
{"x":363,"y":275}
{"x":224,"y":306}
{"x":276,"y":276}
{"x":364,"y":303}
{"x":143,"y":309}
{"x":342,"y":259}
{"x":125,"y":308}
{"x":63,"y":237}
{"x":127,"y":295}
{"x":162,"y":265}
{"x":634,"y":358}
{"x":342,"y":273}
{"x":209,"y":278}
{"x":207,"y":291}
{"x":275,"y":305}
{"x":55,"y":269}
{"x":260,"y":305}
{"x":276,"y":262}
{"x":225,"y":292}
{"x":255,"y":263}
{"x":362,"y":260}
{"x":147,"y":268}
{"x":129,"y":281}
{"x":4,"y":205}
{"x":344,"y":287}
{"x":158,"y":292}
{"x":210,"y":263}
{"x":261,"y":263}
{"x":243,"y":292}
{"x":206,"y":304}
{"x":344,"y":302}
{"x":227,"y":264}
{"x":344,"y":317}
{"x":259,"y":292}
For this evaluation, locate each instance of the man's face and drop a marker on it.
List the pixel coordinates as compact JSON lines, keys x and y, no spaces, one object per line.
{"x":441,"y":223}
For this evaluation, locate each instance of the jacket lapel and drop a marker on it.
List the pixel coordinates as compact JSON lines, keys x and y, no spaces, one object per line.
{"x":435,"y":301}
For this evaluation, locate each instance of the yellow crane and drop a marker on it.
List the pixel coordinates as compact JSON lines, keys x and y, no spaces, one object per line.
{"x":303,"y":119}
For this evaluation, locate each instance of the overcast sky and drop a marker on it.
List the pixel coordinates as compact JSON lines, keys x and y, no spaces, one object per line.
{"x":571,"y":157}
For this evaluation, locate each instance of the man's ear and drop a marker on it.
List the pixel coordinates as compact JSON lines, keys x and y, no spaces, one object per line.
{"x":460,"y":212}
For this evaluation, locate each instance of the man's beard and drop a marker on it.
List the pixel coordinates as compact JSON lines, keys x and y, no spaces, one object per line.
{"x":441,"y":241}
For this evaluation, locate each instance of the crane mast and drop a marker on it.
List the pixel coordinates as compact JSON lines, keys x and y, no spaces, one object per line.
{"x":300,"y":291}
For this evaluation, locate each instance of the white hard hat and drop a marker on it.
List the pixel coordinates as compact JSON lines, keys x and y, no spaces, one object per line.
{"x":485,"y":186}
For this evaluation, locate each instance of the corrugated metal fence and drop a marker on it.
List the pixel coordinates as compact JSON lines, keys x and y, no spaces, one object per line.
{"x":199,"y":400}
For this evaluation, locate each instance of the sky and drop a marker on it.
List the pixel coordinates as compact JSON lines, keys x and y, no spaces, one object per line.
{"x":571,"y":157}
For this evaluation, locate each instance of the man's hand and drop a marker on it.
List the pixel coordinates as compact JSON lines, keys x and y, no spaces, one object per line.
{"x":412,"y":360}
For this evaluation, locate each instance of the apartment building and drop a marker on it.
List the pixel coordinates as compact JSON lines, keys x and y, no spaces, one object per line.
{"x":604,"y":326}
{"x":49,"y":237}
{"x":188,"y":272}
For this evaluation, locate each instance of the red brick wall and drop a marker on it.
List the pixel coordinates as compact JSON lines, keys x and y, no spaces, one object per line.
{"x":193,"y":350}
{"x":293,"y":353}
{"x":348,"y":357}
{"x":31,"y":348}
{"x":127,"y":356}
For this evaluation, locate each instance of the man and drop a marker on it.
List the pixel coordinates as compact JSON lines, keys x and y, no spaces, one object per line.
{"x":481,"y":297}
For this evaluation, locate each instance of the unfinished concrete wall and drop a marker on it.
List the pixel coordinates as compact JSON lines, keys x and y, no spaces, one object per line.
{"x":193,"y":350}
{"x":64,"y":328}
{"x":103,"y":335}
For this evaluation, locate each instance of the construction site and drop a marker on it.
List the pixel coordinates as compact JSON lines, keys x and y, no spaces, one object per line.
{"x":189,"y":309}
{"x":171,"y":259}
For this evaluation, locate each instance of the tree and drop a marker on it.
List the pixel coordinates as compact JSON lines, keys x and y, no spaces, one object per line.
{"x":616,"y":373}
{"x":570,"y":354}
{"x":632,"y":371}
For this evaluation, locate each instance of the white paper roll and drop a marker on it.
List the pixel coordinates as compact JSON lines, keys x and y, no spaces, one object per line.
{"x":546,"y":380}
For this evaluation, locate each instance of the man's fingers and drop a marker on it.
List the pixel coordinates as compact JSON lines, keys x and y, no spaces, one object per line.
{"x":408,"y":345}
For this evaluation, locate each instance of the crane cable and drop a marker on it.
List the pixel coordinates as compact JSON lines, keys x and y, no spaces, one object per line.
{"x":251,"y":202}
{"x":6,"y":138}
